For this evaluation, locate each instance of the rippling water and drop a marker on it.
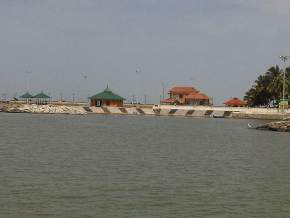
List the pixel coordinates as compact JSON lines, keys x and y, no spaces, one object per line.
{"x":134,"y":166}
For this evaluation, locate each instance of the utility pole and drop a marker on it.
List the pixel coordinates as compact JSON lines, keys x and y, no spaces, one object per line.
{"x":73,"y":96}
{"x":88,"y":97}
{"x":27,"y":80}
{"x":145,"y":99}
{"x":284,"y":58}
{"x":85,"y":80}
{"x":163,"y":90}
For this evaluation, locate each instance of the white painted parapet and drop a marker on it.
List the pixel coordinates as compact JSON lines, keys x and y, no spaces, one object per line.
{"x":181,"y":113}
{"x":97,"y":110}
{"x":132,"y":111}
{"x":148,"y":111}
{"x":199,"y":113}
{"x":115,"y":110}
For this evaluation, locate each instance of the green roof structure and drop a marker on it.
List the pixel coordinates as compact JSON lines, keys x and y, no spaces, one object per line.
{"x":26,"y":95}
{"x":107,"y":94}
{"x":41,"y":95}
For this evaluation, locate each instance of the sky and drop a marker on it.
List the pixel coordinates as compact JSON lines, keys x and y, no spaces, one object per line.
{"x":139,"y":46}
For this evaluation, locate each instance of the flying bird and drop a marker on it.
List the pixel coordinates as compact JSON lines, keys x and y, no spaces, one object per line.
{"x":84,"y":76}
{"x":138,"y":70}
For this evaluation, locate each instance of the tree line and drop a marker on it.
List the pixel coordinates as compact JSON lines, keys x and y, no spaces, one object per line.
{"x":268,"y":88}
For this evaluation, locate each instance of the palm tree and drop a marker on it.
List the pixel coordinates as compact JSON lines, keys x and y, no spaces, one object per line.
{"x":276,"y":85}
{"x":268,"y":87}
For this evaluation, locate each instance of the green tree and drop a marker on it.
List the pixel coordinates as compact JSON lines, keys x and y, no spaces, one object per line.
{"x":275,"y":87}
{"x":268,"y":87}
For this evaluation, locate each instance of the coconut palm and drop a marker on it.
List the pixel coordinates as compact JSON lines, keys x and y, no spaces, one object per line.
{"x":268,"y":87}
{"x":275,"y":87}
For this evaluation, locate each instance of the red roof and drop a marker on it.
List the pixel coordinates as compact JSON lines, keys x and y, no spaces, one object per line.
{"x":182,"y":90}
{"x":235,"y":102}
{"x":170,"y":100}
{"x":197,"y":96}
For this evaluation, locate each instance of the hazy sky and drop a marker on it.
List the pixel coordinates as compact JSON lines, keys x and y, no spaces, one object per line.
{"x":218,"y":46}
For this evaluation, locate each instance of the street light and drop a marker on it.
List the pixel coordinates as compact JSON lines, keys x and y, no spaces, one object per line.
{"x":284,"y":58}
{"x":164,"y":86}
{"x":28,"y":80}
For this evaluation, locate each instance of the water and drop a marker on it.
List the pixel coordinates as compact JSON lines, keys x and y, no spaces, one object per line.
{"x":134,"y":166}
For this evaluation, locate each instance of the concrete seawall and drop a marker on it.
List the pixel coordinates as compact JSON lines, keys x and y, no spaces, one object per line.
{"x":198,"y":111}
{"x":226,"y":112}
{"x":157,"y":110}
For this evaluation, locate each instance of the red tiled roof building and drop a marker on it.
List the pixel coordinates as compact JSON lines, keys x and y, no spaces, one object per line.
{"x":186,"y":96}
{"x":235,"y":102}
{"x":182,"y":90}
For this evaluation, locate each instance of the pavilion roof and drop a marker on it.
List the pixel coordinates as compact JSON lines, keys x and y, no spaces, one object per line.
{"x":235,"y":102}
{"x":107,"y":94}
{"x":41,"y":95}
{"x":26,"y":95}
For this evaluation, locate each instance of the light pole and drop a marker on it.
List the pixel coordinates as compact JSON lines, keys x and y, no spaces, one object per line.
{"x":73,"y":97}
{"x":284,"y":58}
{"x":133,"y":99}
{"x":164,"y":85}
{"x":138,"y":74}
{"x":28,"y":80}
{"x":85,"y":79}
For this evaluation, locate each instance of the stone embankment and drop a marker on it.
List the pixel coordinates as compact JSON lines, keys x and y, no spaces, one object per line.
{"x":281,"y":126}
{"x":198,"y":111}
{"x":43,"y":109}
{"x":157,"y":110}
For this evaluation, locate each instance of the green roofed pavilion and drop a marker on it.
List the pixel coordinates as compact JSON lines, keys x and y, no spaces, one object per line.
{"x":26,"y":95}
{"x":42,"y":95}
{"x":107,"y":98}
{"x":107,"y":94}
{"x":41,"y":98}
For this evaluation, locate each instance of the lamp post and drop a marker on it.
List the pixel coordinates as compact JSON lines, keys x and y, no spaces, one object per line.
{"x":85,"y":80}
{"x":73,"y":97}
{"x":164,"y":85}
{"x":284,"y":58}
{"x":28,"y":80}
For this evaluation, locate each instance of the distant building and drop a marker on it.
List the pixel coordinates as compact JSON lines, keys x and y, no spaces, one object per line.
{"x":186,"y":96}
{"x":235,"y":102}
{"x":41,"y":98}
{"x":27,"y":97}
{"x":107,"y":98}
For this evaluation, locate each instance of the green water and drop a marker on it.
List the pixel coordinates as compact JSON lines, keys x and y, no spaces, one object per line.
{"x":134,"y":166}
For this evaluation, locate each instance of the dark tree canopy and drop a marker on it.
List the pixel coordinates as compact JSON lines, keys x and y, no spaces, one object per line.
{"x":268,"y":87}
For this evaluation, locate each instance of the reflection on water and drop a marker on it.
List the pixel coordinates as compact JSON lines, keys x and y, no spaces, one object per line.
{"x":133,"y":166}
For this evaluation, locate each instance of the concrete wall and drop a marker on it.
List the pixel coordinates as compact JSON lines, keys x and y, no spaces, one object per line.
{"x":163,"y":110}
{"x":197,"y":111}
